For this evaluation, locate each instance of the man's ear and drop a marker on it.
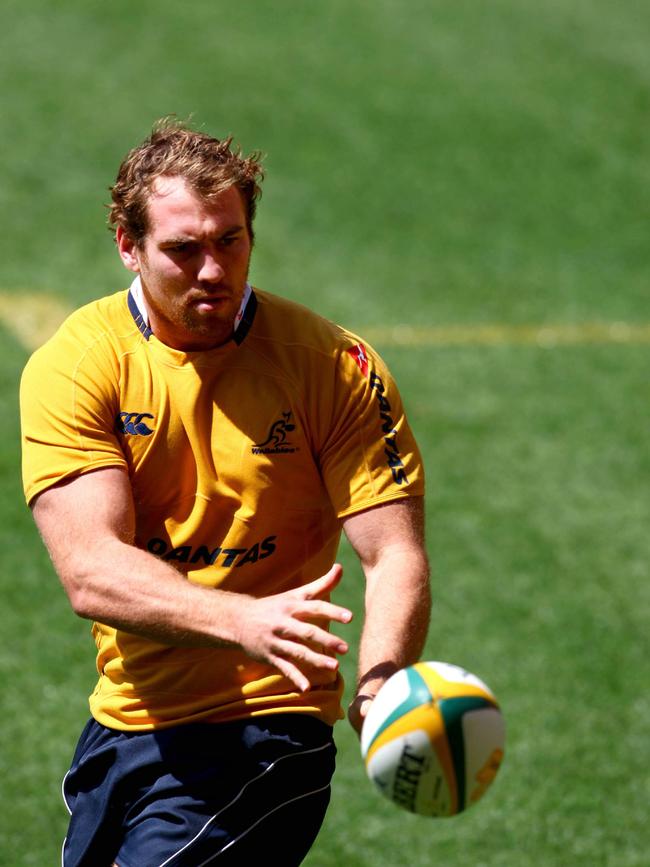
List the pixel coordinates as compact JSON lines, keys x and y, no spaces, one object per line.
{"x":128,"y":250}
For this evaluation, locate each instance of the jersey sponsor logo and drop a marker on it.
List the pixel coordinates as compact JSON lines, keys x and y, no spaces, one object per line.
{"x":360,"y":355}
{"x":392,"y":452}
{"x":132,"y":423}
{"x":207,"y":556}
{"x":277,"y":443}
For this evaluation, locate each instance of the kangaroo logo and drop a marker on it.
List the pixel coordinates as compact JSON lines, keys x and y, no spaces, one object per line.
{"x":276,"y":442}
{"x":131,"y":423}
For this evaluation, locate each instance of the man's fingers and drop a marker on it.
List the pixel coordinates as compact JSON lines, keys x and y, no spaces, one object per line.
{"x":302,"y":665}
{"x":311,"y":635}
{"x":325,"y":584}
{"x":315,"y":637}
{"x":292,"y":673}
{"x":358,"y":710}
{"x":303,"y":656}
{"x":316,"y":609}
{"x":290,"y":631}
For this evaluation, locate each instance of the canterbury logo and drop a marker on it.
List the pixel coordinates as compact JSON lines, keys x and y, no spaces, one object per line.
{"x":132,"y":423}
{"x":276,"y":441}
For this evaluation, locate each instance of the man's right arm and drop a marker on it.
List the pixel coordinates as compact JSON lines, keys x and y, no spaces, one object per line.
{"x":88,"y":526}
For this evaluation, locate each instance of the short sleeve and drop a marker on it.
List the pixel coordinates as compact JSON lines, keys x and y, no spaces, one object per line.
{"x":68,"y":406}
{"x":369,"y":455}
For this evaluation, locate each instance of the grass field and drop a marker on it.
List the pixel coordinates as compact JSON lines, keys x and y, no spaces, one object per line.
{"x":430,"y":165}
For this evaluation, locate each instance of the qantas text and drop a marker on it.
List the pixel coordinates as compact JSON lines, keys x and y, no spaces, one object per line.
{"x":388,"y":429}
{"x":211,"y":556}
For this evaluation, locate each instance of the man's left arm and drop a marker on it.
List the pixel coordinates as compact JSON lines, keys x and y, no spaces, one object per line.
{"x":389,"y":541}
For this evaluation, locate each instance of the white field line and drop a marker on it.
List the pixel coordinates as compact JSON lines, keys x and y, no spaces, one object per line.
{"x":32,"y":318}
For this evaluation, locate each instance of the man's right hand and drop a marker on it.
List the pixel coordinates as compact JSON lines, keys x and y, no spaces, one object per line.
{"x":288,"y":630}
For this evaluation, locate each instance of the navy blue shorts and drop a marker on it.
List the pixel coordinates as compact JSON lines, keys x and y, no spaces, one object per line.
{"x":234,"y":793}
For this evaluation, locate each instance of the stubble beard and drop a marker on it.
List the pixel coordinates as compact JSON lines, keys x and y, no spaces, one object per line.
{"x":214,"y":326}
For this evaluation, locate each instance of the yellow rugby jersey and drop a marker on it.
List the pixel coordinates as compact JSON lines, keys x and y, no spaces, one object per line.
{"x":242,"y":460}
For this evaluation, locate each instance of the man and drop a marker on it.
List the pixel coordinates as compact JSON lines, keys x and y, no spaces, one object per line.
{"x":192,"y":450}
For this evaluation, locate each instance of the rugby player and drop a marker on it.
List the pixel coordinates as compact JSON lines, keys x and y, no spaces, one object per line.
{"x":192,"y":449}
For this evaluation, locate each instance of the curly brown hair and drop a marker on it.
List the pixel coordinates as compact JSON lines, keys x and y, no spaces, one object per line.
{"x":209,"y":165}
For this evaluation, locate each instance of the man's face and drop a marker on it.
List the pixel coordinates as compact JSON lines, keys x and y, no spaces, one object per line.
{"x":193,"y":264}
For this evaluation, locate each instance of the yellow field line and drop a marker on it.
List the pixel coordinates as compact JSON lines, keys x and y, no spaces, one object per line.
{"x":32,"y":318}
{"x":505,"y":335}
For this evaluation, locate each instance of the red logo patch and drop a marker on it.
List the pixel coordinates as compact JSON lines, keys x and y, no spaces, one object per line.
{"x":358,"y":352}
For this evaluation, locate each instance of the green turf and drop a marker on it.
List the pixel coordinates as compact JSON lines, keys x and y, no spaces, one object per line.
{"x":428,"y":163}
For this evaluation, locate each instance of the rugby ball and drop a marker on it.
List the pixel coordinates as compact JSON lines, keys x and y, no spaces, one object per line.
{"x":433,"y":739}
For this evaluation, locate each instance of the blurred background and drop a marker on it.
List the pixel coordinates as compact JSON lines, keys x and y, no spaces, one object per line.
{"x":465,"y":185}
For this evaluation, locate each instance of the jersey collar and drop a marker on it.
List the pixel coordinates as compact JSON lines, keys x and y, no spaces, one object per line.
{"x":243,"y":319}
